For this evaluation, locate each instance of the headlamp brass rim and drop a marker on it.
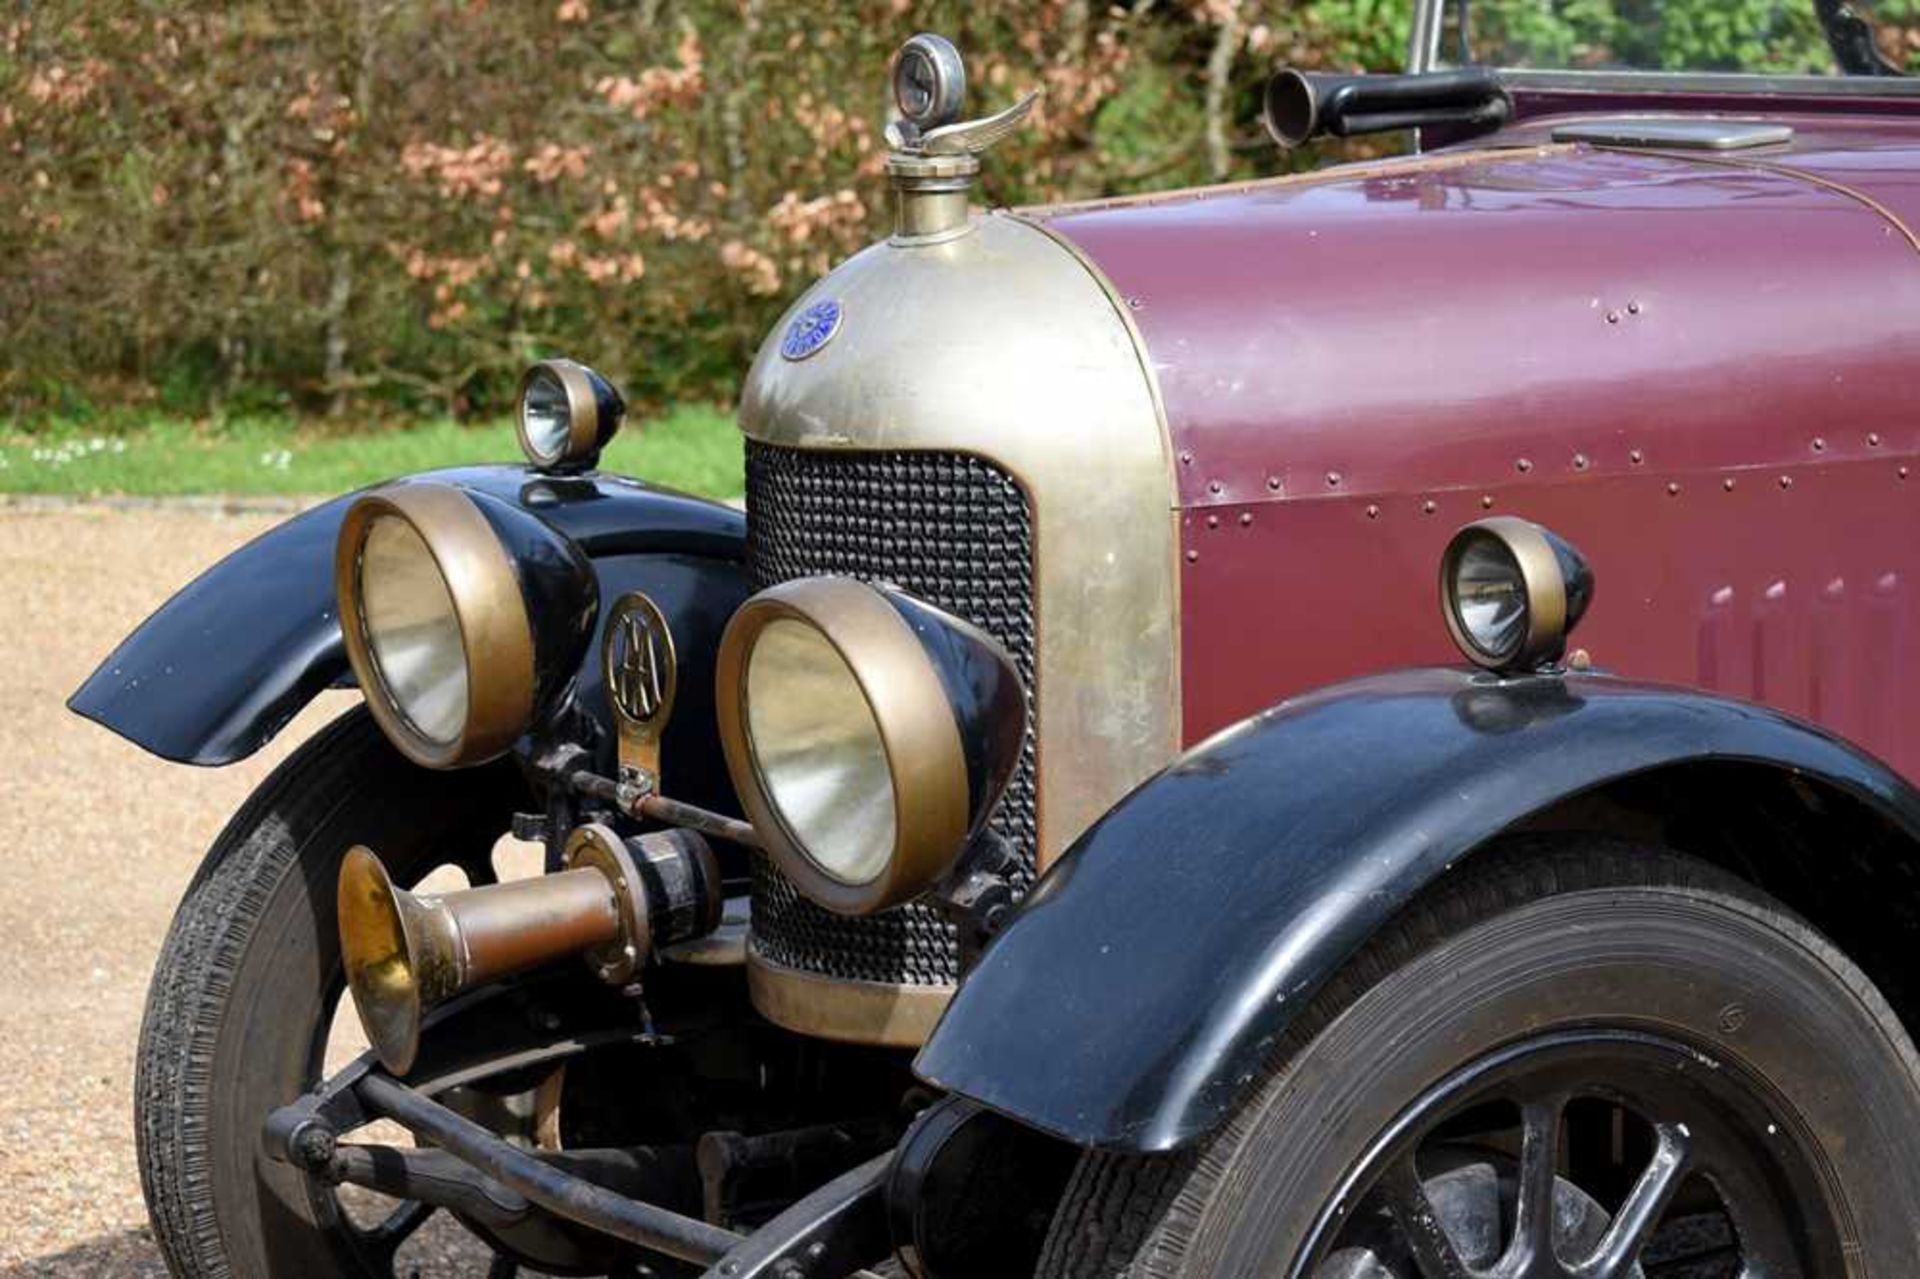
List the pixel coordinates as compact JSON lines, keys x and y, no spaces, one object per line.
{"x":583,"y":416}
{"x":1541,"y":576}
{"x":926,"y":765}
{"x":496,"y":634}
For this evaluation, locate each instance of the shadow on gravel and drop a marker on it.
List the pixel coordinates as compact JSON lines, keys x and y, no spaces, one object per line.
{"x":442,"y":1250}
{"x":129,"y":1255}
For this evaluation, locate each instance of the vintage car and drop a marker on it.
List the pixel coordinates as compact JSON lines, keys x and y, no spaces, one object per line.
{"x":1052,"y":831}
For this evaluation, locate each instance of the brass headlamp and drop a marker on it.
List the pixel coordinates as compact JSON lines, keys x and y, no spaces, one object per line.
{"x":868,"y":734}
{"x":436,"y":586}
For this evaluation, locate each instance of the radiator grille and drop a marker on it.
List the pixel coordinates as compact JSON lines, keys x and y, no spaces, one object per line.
{"x":953,"y":530}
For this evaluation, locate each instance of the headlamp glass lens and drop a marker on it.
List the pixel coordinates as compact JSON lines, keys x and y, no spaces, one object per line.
{"x":412,"y":630}
{"x":546,"y":415}
{"x":1490,"y":597}
{"x":818,"y":751}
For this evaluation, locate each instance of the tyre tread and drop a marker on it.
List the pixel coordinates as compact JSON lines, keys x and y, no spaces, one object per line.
{"x":212,"y":926}
{"x":1133,"y":1217}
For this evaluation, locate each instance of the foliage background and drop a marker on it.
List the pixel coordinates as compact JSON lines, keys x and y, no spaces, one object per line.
{"x":371,"y":208}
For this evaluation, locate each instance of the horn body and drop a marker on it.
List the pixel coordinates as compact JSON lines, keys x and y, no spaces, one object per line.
{"x":407,"y":952}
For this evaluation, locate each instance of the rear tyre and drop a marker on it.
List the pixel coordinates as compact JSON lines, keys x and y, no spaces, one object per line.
{"x":246,"y":986}
{"x":1581,"y":1058}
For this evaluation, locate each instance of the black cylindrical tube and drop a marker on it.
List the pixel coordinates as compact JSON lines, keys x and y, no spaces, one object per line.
{"x":558,"y":1192}
{"x":1302,"y":105}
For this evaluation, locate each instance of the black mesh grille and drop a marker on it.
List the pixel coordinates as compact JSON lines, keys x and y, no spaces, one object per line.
{"x":954,"y":531}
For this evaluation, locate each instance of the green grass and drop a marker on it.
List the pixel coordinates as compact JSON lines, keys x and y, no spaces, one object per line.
{"x":691,"y":447}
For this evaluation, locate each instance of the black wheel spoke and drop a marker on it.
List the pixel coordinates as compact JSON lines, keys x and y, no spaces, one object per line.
{"x":1539,"y":1162}
{"x":1509,"y":1169}
{"x":1651,"y":1194}
{"x":1432,"y":1248}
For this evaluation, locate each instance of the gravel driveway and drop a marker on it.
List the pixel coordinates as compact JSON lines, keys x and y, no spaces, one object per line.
{"x":103,"y":840}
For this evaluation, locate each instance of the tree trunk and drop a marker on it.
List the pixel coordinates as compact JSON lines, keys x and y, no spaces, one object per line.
{"x":733,"y":105}
{"x":1226,"y":43}
{"x":336,"y":348}
{"x":339,"y":297}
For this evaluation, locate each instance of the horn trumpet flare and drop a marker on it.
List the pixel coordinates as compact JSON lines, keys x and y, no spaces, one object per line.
{"x":407,"y":952}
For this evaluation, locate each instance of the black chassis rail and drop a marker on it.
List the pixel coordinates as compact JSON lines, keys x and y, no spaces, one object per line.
{"x":825,"y":1234}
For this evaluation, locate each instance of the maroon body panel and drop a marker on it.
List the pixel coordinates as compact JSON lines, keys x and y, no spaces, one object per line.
{"x":1875,"y":157}
{"x":1704,"y":371}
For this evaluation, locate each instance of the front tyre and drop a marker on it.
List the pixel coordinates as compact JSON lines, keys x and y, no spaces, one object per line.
{"x":245,"y":991}
{"x":1581,"y":1061}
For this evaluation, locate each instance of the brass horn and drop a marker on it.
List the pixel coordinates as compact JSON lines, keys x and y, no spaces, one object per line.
{"x":405,"y":953}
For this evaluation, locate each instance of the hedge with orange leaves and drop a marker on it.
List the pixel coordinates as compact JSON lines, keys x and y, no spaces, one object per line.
{"x":361,"y":205}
